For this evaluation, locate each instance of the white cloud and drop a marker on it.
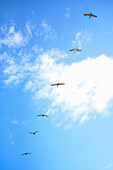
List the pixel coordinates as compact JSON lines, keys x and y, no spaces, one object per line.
{"x":84,"y":118}
{"x":11,"y":30}
{"x":68,"y":126}
{"x":15,"y":79}
{"x":12,"y":38}
{"x":109,"y":166}
{"x":67,"y":13}
{"x":67,"y":9}
{"x":36,"y":49}
{"x":10,"y":136}
{"x":47,"y":31}
{"x":15,"y":122}
{"x":3,"y":56}
{"x":12,"y":143}
{"x":88,"y":88}
{"x":29,"y":29}
{"x":11,"y":139}
{"x":81,"y":38}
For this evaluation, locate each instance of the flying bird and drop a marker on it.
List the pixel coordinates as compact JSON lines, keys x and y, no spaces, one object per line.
{"x":90,"y":15}
{"x":57,"y":84}
{"x":75,"y":49}
{"x":25,"y":154}
{"x":43,"y":115}
{"x":33,"y":132}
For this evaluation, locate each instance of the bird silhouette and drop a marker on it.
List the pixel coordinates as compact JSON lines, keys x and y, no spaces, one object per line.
{"x":33,"y":132}
{"x":90,"y":15}
{"x":75,"y":49}
{"x":57,"y":84}
{"x":42,"y":115}
{"x":25,"y":154}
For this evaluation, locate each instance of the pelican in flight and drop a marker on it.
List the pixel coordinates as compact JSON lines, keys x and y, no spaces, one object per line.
{"x":25,"y":154}
{"x":42,"y":115}
{"x":90,"y":15}
{"x":57,"y":84}
{"x":75,"y":49}
{"x":33,"y":132}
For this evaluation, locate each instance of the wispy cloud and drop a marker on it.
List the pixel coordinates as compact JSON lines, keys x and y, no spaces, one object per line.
{"x":109,"y":166}
{"x":81,"y":39}
{"x":10,"y":136}
{"x":12,"y":38}
{"x":84,"y":118}
{"x":14,"y":122}
{"x":11,"y":139}
{"x":88,"y":89}
{"x":67,"y":13}
{"x":12,"y":143}
{"x":3,"y":56}
{"x":29,"y":29}
{"x":47,"y":31}
{"x":36,"y":49}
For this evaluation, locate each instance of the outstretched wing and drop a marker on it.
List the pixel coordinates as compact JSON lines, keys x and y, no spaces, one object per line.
{"x":45,"y":115}
{"x":25,"y":154}
{"x":35,"y":131}
{"x":53,"y":84}
{"x":30,"y":132}
{"x":93,"y":15}
{"x":42,"y":115}
{"x":22,"y":154}
{"x":78,"y":50}
{"x":39,"y":115}
{"x":86,"y":14}
{"x":75,"y":49}
{"x":72,"y":50}
{"x":61,"y":83}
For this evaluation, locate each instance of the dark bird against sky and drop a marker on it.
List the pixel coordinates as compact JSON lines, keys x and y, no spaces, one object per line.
{"x":42,"y":115}
{"x":90,"y":15}
{"x":25,"y":154}
{"x":33,"y":132}
{"x":57,"y":84}
{"x":75,"y":49}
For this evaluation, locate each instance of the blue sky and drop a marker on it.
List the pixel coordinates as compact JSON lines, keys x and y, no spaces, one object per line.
{"x":35,"y":39}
